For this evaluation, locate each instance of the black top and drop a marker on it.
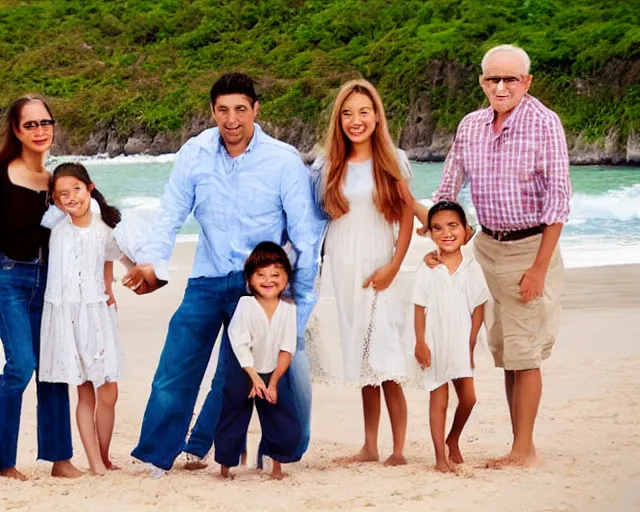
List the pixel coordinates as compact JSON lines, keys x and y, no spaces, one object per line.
{"x":21,"y":210}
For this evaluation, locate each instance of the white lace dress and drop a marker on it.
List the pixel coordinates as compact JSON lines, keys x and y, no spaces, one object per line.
{"x":369,"y":347}
{"x":79,"y":333}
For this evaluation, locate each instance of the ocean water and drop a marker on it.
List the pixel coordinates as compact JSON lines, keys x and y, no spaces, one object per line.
{"x":603,"y":228}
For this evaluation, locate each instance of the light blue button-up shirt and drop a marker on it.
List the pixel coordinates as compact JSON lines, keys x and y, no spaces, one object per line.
{"x":263,"y":194}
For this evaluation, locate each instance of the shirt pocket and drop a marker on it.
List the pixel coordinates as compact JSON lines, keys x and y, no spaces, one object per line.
{"x":259,"y":203}
{"x":212,"y":203}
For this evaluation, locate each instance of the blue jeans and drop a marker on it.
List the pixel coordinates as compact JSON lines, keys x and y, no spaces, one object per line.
{"x":280,"y":422}
{"x":202,"y":435}
{"x":21,"y":299}
{"x":208,"y":303}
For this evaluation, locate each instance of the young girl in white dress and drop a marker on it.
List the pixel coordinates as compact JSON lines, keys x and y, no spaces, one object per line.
{"x":79,"y":335}
{"x":449,"y":310}
{"x":362,"y":187}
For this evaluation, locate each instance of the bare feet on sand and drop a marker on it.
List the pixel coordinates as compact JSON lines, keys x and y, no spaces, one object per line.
{"x":364,"y":455}
{"x":514,"y":459}
{"x":111,"y":466}
{"x":455,"y":455}
{"x":195,"y":464}
{"x":443,"y":466}
{"x":65,"y":469}
{"x":395,"y":460}
{"x":13,"y":473}
{"x":276,"y":472}
{"x":225,"y":474}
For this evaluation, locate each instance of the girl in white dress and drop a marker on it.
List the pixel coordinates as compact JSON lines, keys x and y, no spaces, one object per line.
{"x":363,"y":189}
{"x":449,"y":310}
{"x":79,"y":336}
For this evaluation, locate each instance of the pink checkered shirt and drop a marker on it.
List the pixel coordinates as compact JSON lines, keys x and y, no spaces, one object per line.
{"x":519,"y":177}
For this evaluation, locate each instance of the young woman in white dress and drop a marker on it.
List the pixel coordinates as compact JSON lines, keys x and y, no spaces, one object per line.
{"x":449,"y":310}
{"x":362,"y":187}
{"x":79,"y":337}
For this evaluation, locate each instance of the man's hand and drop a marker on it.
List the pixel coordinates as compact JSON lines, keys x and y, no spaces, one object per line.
{"x":382,"y":278}
{"x":432,"y":259}
{"x":422,"y":354}
{"x":111,"y":301}
{"x":532,"y":284}
{"x":141,"y":279}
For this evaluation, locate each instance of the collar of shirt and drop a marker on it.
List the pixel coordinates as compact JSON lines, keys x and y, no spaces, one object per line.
{"x":232,"y":163}
{"x":489,"y":115}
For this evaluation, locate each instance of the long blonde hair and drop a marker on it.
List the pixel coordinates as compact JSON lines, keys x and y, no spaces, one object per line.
{"x":388,"y":197}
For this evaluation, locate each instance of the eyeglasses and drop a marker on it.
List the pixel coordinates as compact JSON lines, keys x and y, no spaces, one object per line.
{"x":32,"y":125}
{"x":508,"y":81}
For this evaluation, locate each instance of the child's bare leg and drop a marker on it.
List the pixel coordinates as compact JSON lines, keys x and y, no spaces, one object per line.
{"x":437,"y":417}
{"x":397,"y":407}
{"x":105,"y":419}
{"x":85,"y":414}
{"x":371,"y":410}
{"x":276,"y":471}
{"x":466,"y":392}
{"x":225,"y":474}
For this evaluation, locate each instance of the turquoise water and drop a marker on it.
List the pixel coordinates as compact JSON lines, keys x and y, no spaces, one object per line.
{"x":604,"y":225}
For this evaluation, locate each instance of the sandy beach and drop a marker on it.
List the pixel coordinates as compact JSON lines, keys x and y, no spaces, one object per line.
{"x":588,"y":431}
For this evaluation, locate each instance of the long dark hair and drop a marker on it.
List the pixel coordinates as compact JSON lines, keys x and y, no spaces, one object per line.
{"x":10,"y":145}
{"x":265,"y":254}
{"x":447,"y":206}
{"x":110,"y":214}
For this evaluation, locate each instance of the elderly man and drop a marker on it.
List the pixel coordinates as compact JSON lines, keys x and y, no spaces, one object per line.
{"x":243,"y":187}
{"x":514,"y":156}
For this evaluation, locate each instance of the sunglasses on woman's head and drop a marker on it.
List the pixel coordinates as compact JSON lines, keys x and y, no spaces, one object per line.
{"x":32,"y":125}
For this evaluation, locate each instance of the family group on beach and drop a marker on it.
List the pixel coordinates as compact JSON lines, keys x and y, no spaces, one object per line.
{"x":267,"y":222}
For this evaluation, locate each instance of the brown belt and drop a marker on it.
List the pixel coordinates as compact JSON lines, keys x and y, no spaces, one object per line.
{"x":512,"y":236}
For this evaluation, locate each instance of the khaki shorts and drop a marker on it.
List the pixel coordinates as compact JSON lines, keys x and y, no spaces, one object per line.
{"x":521,"y":334}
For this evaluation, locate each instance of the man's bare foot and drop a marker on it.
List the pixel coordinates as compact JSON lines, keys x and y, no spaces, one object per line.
{"x":276,"y":472}
{"x":455,"y":455}
{"x":65,"y":469}
{"x":225,"y":474}
{"x":514,"y":459}
{"x":364,"y":455}
{"x":443,"y":466}
{"x":395,"y":460}
{"x":13,"y":473}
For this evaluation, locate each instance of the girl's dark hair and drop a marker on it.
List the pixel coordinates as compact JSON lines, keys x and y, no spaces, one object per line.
{"x":450,"y":206}
{"x":265,"y":254}
{"x":110,"y":214}
{"x":10,"y":145}
{"x":233,"y":83}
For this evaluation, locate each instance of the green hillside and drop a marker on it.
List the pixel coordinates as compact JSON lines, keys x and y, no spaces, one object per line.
{"x":147,"y":65}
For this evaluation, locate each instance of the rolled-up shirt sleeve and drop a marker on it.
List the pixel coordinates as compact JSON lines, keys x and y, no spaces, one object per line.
{"x":305,"y":228}
{"x":453,"y":175}
{"x":177,"y":204}
{"x":554,"y":163}
{"x":240,"y":335}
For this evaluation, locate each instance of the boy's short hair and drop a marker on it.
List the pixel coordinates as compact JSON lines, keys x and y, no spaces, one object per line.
{"x":265,"y":254}
{"x":233,"y":83}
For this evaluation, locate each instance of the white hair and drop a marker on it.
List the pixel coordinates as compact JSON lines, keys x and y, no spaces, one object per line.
{"x":507,"y":48}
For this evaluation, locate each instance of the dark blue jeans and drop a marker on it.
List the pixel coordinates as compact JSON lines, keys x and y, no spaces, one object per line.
{"x":280,"y":422}
{"x":21,"y":298}
{"x":208,"y":303}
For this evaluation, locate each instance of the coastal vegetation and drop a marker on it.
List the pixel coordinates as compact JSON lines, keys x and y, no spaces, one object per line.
{"x":147,"y":65}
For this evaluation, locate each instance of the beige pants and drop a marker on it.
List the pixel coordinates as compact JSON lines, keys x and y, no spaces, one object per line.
{"x":521,"y":334}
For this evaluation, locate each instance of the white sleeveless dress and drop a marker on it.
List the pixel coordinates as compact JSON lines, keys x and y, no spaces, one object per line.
{"x":368,"y":347}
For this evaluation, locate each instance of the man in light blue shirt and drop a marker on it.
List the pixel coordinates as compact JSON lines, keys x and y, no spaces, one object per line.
{"x":243,"y":187}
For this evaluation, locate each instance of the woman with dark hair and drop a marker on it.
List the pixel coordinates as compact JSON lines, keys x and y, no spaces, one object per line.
{"x":26,"y":134}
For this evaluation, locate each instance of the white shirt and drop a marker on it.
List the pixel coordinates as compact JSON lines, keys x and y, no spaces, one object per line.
{"x":255,"y":340}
